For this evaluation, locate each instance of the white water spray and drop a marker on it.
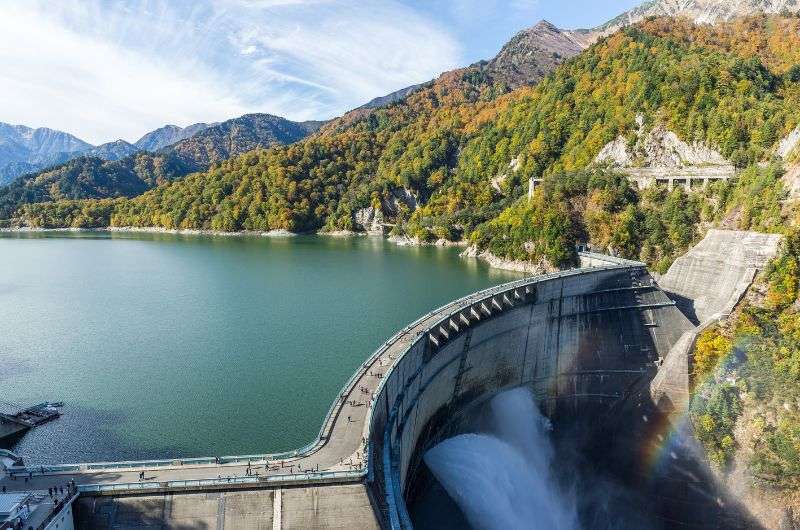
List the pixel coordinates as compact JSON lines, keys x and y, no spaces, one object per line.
{"x":503,"y":480}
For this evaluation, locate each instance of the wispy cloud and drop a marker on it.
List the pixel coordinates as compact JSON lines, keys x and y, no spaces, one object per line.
{"x":104,"y":70}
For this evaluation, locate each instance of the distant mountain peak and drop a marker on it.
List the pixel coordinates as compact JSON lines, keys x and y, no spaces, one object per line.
{"x":168,"y":135}
{"x":533,"y":53}
{"x":699,"y":11}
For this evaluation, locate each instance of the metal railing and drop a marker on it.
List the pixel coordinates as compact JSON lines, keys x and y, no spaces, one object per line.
{"x":313,"y":476}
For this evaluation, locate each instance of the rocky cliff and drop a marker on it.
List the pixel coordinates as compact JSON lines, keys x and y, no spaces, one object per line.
{"x":660,"y":148}
{"x":699,"y":11}
{"x":661,"y":154}
{"x":533,"y":53}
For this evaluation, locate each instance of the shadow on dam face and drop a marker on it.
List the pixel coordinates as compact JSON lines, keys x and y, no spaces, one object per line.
{"x":616,"y":478}
{"x":618,"y":458}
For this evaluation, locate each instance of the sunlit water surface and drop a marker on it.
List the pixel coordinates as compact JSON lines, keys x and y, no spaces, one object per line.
{"x":167,"y":345}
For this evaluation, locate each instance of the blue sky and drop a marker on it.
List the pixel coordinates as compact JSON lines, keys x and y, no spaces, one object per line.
{"x":104,"y":69}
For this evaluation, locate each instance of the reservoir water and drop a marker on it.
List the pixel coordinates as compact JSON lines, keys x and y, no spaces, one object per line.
{"x":167,"y":345}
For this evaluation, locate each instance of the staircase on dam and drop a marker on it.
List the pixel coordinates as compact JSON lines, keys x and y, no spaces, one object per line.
{"x":592,"y":342}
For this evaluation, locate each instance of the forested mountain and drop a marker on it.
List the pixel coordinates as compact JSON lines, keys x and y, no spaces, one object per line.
{"x":25,"y":150}
{"x":453,"y":160}
{"x":111,"y":150}
{"x":96,"y":177}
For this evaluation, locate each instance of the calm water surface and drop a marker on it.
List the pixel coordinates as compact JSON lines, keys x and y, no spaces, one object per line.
{"x":167,"y":345}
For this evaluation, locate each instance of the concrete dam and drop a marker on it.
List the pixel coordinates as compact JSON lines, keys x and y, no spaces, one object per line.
{"x":603,"y":349}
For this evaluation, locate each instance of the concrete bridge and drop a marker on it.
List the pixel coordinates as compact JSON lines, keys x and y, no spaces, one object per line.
{"x":588,"y":342}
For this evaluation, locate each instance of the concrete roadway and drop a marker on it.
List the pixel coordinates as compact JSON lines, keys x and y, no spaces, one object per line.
{"x":343,"y":450}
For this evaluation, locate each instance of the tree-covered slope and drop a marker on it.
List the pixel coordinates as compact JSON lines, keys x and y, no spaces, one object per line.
{"x":91,"y":177}
{"x":464,"y":149}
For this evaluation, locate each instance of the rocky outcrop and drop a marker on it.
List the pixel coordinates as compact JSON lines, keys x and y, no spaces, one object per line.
{"x":400,"y":198}
{"x":787,"y":146}
{"x":699,"y":11}
{"x":528,"y":267}
{"x":789,"y":150}
{"x":369,"y":220}
{"x":791,"y":181}
{"x":659,"y":148}
{"x":661,"y":155}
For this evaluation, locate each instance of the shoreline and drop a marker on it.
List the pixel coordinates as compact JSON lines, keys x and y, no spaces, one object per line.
{"x":493,"y":261}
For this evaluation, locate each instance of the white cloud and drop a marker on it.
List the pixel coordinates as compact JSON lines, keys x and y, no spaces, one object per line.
{"x":104,"y":70}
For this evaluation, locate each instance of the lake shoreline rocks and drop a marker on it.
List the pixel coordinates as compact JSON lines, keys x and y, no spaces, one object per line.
{"x":496,"y":262}
{"x":470,"y":250}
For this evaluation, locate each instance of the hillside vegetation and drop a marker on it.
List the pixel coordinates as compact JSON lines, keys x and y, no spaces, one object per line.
{"x":465,"y":148}
{"x":748,"y":370}
{"x":94,"y":177}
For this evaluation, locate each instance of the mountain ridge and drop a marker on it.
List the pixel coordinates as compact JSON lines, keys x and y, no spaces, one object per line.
{"x":168,"y":135}
{"x":698,"y":11}
{"x":88,"y":175}
{"x":25,"y":149}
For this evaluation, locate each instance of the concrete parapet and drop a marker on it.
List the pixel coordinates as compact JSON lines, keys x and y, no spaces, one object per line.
{"x":594,"y":259}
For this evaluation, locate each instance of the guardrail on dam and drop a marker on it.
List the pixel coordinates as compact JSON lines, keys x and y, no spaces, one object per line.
{"x":583,"y":340}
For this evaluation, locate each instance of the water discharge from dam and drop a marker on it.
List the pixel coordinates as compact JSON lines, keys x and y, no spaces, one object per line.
{"x":504,"y":479}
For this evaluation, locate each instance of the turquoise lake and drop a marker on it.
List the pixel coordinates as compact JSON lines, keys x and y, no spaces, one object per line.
{"x":167,"y":345}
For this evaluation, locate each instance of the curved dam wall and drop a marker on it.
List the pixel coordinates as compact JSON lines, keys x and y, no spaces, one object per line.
{"x":583,"y":341}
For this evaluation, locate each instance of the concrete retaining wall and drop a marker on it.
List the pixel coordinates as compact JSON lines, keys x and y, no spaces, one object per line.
{"x":712,"y":277}
{"x":708,"y":282}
